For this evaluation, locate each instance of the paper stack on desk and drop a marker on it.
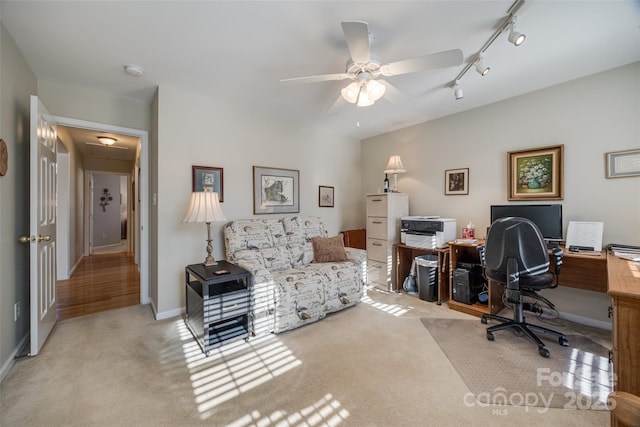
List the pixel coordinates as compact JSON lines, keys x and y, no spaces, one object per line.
{"x":587,"y":236}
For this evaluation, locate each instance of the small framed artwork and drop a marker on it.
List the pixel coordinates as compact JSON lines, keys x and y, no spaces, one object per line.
{"x":275,"y":190}
{"x":456,"y":181}
{"x":535,"y":174}
{"x":325,"y":196}
{"x":208,"y":179}
{"x":621,"y":164}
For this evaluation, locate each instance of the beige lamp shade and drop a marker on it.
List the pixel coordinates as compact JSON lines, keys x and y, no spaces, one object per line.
{"x":395,"y":165}
{"x":204,"y":207}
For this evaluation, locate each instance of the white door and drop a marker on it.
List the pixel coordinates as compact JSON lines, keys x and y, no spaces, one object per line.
{"x":42,"y":225}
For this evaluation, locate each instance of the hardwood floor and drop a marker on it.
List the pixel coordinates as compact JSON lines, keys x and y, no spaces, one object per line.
{"x":99,"y":283}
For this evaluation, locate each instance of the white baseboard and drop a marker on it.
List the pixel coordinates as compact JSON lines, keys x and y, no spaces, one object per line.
{"x":167,"y":314}
{"x":8,"y":364}
{"x":586,"y":321}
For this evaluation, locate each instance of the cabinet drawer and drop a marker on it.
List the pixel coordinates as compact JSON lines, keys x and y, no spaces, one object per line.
{"x":377,"y":250}
{"x":377,"y":227}
{"x":377,"y":273}
{"x":377,"y":205}
{"x":226,"y":306}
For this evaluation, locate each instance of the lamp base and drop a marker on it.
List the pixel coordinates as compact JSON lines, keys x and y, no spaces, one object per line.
{"x":209,"y":261}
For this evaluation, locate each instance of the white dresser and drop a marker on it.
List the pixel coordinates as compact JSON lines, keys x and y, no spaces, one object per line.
{"x":383,"y":230}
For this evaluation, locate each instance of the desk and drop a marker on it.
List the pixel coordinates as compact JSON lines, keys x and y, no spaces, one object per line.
{"x":404,"y":256}
{"x":581,"y":271}
{"x":624,"y":289}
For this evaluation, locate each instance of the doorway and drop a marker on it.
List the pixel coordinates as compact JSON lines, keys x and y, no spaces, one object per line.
{"x":136,"y":182}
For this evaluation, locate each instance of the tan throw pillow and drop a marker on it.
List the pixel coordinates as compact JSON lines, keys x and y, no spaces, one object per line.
{"x":328,"y":249}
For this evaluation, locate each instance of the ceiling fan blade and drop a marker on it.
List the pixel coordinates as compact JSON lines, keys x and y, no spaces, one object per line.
{"x":314,"y":79}
{"x":356,"y":34}
{"x":392,"y":94}
{"x":448,"y":58}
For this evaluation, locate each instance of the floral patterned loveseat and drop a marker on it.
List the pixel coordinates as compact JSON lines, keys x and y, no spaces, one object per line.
{"x":289,"y":289}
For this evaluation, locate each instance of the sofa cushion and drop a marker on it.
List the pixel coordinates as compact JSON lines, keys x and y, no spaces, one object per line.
{"x":253,"y":234}
{"x":328,"y":249}
{"x":300,"y":229}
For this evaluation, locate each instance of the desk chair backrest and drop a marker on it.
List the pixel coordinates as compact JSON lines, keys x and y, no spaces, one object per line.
{"x":518,"y":238}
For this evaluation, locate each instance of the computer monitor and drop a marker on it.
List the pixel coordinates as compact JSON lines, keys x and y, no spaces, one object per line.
{"x":548,"y":218}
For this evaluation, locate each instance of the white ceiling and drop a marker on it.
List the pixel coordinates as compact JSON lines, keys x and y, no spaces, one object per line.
{"x":236,"y":51}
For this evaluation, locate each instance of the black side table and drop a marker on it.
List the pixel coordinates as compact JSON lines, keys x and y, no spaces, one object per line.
{"x":218,"y":303}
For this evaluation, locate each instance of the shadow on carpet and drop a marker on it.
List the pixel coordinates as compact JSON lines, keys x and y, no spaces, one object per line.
{"x":509,"y":370}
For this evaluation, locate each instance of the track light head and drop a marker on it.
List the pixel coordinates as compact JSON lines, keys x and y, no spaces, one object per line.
{"x":480,"y":68}
{"x":457,"y":91}
{"x":515,"y":37}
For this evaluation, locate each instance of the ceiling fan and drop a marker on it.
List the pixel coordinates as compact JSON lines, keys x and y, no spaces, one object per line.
{"x":364,"y":68}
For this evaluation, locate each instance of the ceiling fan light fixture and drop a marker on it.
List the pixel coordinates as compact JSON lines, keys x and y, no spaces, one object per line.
{"x":364,"y":100}
{"x":107,"y":140}
{"x":350,"y":92}
{"x":375,"y":90}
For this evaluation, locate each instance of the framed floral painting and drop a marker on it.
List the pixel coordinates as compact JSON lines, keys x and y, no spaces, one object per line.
{"x":536,"y":174}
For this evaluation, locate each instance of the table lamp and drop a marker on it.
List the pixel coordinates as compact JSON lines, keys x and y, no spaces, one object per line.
{"x":205,"y":207}
{"x":395,"y":167}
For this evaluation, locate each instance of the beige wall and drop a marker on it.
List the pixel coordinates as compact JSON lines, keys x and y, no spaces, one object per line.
{"x":195,"y":130}
{"x":17,"y":83}
{"x":590,"y":116}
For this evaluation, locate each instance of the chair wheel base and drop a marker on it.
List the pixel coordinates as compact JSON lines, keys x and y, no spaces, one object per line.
{"x":563,"y":341}
{"x":490,"y":336}
{"x":544,"y":352}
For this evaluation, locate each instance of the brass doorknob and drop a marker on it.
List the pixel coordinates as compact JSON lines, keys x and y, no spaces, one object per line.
{"x":29,"y":239}
{"x":24,"y":239}
{"x":46,"y":238}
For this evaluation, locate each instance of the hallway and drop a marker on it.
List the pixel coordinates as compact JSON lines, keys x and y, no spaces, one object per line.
{"x":99,"y":283}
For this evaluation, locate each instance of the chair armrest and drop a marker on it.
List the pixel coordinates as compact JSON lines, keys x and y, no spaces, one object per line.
{"x":557,"y":257}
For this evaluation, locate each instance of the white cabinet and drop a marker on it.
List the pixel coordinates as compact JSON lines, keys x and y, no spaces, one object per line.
{"x":383,"y":230}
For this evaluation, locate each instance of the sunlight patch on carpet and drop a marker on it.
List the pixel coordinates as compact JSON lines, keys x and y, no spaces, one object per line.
{"x":326,"y":412}
{"x":233,"y":368}
{"x":393,"y":309}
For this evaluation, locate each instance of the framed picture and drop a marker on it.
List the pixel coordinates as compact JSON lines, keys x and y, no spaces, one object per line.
{"x":325,"y":196}
{"x":621,"y":164}
{"x":208,"y":179}
{"x":275,"y":190}
{"x":456,"y":181}
{"x":536,"y":174}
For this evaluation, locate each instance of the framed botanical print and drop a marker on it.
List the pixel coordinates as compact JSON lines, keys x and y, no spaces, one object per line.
{"x":536,"y":174}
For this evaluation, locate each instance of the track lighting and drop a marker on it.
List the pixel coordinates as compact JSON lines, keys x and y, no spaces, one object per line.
{"x":515,"y":37}
{"x":480,"y":67}
{"x":509,"y":22}
{"x":457,"y":91}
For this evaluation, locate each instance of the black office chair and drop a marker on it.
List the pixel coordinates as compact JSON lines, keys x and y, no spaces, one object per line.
{"x":516,"y":256}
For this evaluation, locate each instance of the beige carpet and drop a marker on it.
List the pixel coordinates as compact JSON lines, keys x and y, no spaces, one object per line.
{"x":370,"y":365}
{"x":509,"y":369}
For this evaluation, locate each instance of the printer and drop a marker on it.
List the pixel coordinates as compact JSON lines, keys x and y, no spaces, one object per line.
{"x":428,"y":232}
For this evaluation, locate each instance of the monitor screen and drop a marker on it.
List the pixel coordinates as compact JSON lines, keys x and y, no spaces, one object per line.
{"x":548,"y":218}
